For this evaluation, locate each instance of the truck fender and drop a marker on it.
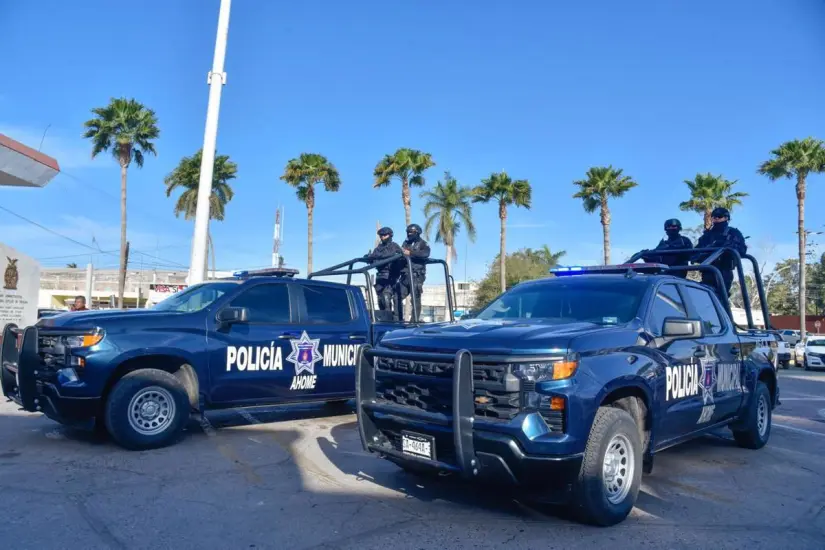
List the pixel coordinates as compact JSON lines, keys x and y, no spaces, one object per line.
{"x":764,"y":374}
{"x":621,"y":388}
{"x":176,"y":361}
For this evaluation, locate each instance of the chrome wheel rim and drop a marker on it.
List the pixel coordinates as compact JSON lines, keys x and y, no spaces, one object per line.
{"x":151,"y":410}
{"x":617,"y":468}
{"x":762,"y":416}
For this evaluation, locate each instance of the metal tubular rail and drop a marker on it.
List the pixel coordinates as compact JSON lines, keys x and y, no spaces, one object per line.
{"x":713,"y":255}
{"x":348,"y":268}
{"x":9,"y":356}
{"x":461,"y":419}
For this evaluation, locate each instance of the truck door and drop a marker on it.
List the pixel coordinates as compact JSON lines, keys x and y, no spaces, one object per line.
{"x":247,"y":361}
{"x":333,"y":329}
{"x":722,"y":372}
{"x":678,"y":396}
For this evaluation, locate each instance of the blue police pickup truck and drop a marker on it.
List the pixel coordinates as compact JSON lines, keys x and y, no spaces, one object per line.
{"x":256,"y":339}
{"x":566,"y":387}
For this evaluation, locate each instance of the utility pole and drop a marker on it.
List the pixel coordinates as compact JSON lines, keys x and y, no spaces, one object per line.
{"x":216,"y":80}
{"x":89,"y":283}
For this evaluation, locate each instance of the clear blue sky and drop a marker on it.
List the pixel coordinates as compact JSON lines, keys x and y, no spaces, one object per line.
{"x":541,"y":89}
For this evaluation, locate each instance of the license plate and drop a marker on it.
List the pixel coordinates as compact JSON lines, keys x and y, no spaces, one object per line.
{"x":418,"y":445}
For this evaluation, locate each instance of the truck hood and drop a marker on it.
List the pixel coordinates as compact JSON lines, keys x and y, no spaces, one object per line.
{"x":493,"y":337}
{"x":102,"y":317}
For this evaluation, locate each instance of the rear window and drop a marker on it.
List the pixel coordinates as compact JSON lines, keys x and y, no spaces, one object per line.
{"x":327,"y":305}
{"x":603,"y":301}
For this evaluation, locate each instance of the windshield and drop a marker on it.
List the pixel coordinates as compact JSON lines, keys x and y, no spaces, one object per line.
{"x":195,"y":298}
{"x":816,"y":342}
{"x":569,"y":300}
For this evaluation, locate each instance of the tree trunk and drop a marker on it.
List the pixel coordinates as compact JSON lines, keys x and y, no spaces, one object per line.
{"x":502,"y":214}
{"x":449,"y":258}
{"x":708,"y":220}
{"x":405,"y":196}
{"x":800,"y":205}
{"x":606,"y":230}
{"x":310,"y":207}
{"x":121,"y":278}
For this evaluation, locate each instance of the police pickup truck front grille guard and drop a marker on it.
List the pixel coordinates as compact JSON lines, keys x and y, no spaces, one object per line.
{"x":461,"y":420}
{"x":26,"y":363}
{"x":706,"y":266}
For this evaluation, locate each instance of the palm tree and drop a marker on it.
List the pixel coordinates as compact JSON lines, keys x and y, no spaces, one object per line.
{"x":187,"y":176}
{"x":603,"y":183}
{"x":303,"y":173}
{"x":447,"y":207}
{"x":126,"y":128}
{"x":501,"y":188}
{"x":408,"y":165}
{"x":708,"y":192}
{"x":797,"y":159}
{"x":71,"y":265}
{"x":546,"y":256}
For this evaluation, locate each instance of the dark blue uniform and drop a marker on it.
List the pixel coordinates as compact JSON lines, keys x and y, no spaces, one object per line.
{"x":387,"y":276}
{"x":672,"y":242}
{"x":419,"y":252}
{"x":718,"y":236}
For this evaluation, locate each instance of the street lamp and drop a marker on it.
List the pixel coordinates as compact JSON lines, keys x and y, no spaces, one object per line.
{"x":216,"y":80}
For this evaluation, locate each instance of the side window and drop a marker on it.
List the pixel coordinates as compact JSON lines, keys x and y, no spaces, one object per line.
{"x":667,"y":303}
{"x":327,"y":304}
{"x":703,"y":302}
{"x":267,"y":303}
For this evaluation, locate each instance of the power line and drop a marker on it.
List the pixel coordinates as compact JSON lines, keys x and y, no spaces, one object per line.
{"x":84,"y":245}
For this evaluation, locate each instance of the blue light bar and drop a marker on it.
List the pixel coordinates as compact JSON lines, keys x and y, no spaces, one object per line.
{"x":616,"y":268}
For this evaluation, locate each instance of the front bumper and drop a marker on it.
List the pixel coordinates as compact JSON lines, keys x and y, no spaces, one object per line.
{"x":814,"y":361}
{"x":464,"y":445}
{"x":32,"y":384}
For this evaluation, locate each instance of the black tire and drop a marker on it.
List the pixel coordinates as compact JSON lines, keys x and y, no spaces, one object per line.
{"x":751,"y":437}
{"x":590,"y":496}
{"x":149,"y":384}
{"x":805,"y":363}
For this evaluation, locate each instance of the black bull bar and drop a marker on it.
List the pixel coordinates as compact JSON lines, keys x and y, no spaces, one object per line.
{"x":460,"y":420}
{"x":21,"y":368}
{"x":17,"y":374}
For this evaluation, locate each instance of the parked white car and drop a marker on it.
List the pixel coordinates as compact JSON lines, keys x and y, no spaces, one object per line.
{"x":810,"y":353}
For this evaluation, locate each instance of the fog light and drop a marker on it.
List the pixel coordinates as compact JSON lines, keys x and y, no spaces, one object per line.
{"x":67,"y":375}
{"x":539,"y":402}
{"x":77,"y":361}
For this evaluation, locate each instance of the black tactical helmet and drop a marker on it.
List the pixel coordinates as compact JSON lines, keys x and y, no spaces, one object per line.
{"x":385,"y":231}
{"x":720,"y":212}
{"x":414,"y":228}
{"x":673,"y":221}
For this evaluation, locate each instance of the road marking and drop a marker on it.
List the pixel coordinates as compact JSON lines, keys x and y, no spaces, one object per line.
{"x":800,"y":430}
{"x":783,"y":398}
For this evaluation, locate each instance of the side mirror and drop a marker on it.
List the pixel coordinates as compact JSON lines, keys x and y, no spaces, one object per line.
{"x":678,"y":328}
{"x":230,"y":315}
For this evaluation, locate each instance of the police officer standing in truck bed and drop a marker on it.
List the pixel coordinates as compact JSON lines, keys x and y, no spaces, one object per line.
{"x":674,"y":241}
{"x":419,"y":251}
{"x":718,"y":236}
{"x":388,"y":274}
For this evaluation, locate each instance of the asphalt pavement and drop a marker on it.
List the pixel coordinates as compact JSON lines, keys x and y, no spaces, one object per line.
{"x":299,"y":479}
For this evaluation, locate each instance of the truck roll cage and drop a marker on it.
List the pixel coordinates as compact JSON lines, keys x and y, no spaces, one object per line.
{"x":706,"y":266}
{"x":349,"y":269}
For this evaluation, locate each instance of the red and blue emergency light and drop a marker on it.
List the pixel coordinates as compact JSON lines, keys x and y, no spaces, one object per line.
{"x":615,"y":268}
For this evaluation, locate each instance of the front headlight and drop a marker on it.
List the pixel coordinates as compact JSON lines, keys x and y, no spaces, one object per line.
{"x":82,"y":341}
{"x":560,"y":369}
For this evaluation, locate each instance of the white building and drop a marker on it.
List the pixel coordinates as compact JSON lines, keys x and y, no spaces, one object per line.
{"x":60,"y":286}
